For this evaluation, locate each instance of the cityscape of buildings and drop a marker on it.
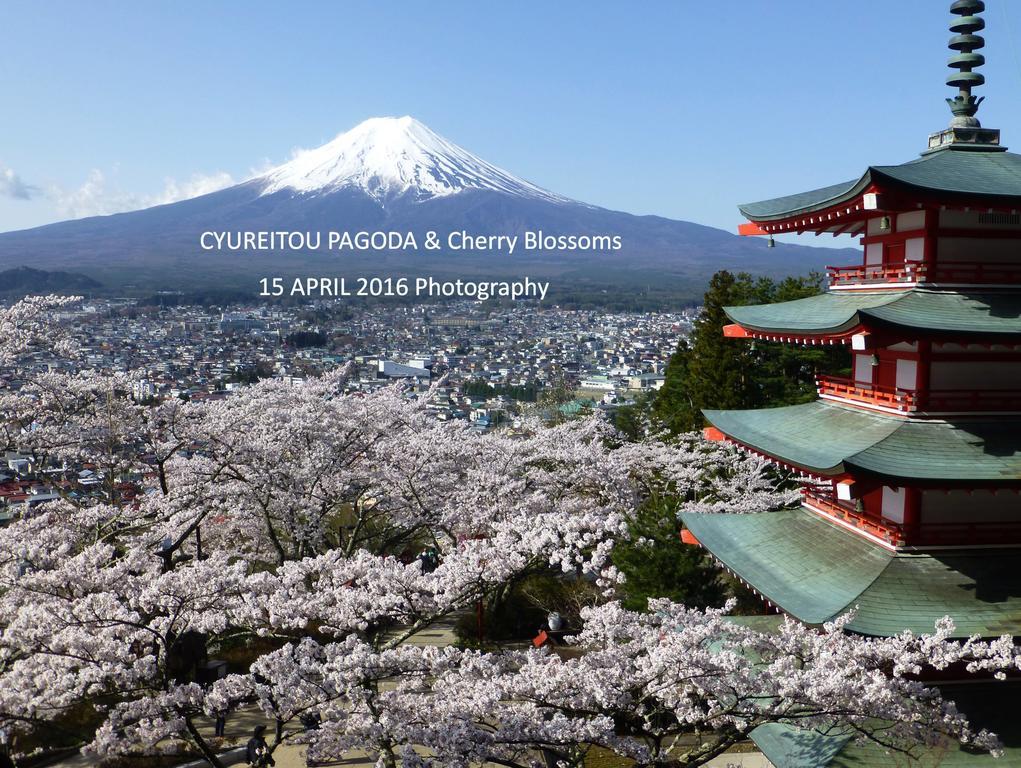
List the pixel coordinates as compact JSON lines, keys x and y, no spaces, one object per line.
{"x":482,"y":365}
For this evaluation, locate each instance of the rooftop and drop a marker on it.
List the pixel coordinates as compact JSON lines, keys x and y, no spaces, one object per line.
{"x":989,"y":314}
{"x":817,"y":571}
{"x":963,"y":160}
{"x":990,"y":705}
{"x":986,"y":176}
{"x":829,"y":439}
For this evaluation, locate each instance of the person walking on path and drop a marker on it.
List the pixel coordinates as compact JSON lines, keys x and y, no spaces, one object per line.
{"x":221,"y":724}
{"x":257,"y":751}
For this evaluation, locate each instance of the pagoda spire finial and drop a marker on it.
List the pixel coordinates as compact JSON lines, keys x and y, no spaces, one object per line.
{"x":965,"y":131}
{"x":965,"y":41}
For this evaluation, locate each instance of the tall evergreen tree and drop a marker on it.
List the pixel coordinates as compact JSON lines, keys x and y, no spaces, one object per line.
{"x":711,"y":371}
{"x":657,"y":564}
{"x":718,"y":367}
{"x":673,"y":406}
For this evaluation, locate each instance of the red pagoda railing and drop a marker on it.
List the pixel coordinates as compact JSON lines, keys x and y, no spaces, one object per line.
{"x":963,"y":534}
{"x":966,"y":272}
{"x":910,"y":401}
{"x":956,"y":534}
{"x":884,"y":529}
{"x":870,"y":394}
{"x":973,"y":400}
{"x":907,"y":272}
{"x":973,"y":272}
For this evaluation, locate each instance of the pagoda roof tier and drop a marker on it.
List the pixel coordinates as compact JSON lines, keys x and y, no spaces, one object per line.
{"x":982,"y":176}
{"x":817,"y":571}
{"x":916,"y":312}
{"x":990,"y":704}
{"x":827,"y":439}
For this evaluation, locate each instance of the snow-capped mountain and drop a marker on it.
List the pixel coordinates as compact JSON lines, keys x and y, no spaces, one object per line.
{"x":387,"y":157}
{"x":394,"y":175}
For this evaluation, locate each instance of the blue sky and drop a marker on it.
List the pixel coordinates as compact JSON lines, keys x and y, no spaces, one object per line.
{"x":682,"y":108}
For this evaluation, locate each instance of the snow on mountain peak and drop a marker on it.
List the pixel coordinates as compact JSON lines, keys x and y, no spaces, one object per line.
{"x":392,"y":156}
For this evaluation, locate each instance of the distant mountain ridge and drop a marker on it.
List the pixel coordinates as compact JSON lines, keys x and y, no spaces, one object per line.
{"x":25,"y":280}
{"x":392,"y":174}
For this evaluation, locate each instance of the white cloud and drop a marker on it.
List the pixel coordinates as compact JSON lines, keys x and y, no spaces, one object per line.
{"x":198,"y":184}
{"x":12,"y":185}
{"x":90,"y":199}
{"x":99,"y":197}
{"x":263,"y":166}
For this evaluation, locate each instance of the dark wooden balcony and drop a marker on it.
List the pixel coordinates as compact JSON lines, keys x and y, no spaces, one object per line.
{"x":968,"y":400}
{"x":969,"y":533}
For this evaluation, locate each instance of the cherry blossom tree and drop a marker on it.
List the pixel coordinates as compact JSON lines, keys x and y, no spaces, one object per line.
{"x":330,"y":526}
{"x":669,"y":687}
{"x":313,"y":504}
{"x":29,"y":324}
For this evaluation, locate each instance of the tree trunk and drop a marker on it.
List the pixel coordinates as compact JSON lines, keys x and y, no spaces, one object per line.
{"x":204,"y":748}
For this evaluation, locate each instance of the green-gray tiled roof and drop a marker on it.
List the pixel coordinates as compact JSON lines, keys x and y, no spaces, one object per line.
{"x":990,"y":705}
{"x":993,"y":177}
{"x":986,"y":314}
{"x":831,"y":439}
{"x":812,"y":200}
{"x":816,"y":571}
{"x":788,"y":747}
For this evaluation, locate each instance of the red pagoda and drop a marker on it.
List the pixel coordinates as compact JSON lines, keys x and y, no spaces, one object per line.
{"x":911,"y":506}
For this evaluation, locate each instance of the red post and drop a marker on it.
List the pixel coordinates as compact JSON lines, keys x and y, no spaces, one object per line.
{"x":931,"y":241}
{"x":478,"y":609}
{"x":923,"y":374}
{"x":912,"y":514}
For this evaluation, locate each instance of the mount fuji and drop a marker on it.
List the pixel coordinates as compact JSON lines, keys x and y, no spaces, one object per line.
{"x":387,"y":157}
{"x":392,"y":174}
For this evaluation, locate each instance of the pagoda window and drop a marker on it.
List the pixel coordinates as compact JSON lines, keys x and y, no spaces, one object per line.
{"x":910,"y":221}
{"x":907,"y":374}
{"x":893,"y":504}
{"x":863,"y":369}
{"x":914,"y":249}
